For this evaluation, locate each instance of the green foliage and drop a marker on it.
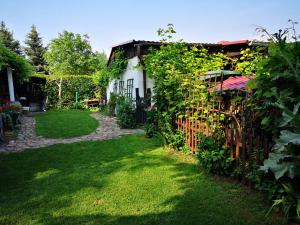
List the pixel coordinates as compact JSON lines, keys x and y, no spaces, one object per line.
{"x":35,"y":50}
{"x":99,"y":61}
{"x":125,"y":113}
{"x":70,"y":54}
{"x":175,"y":67}
{"x":7,"y":39}
{"x":213,"y":156}
{"x":251,"y":61}
{"x":277,"y":86}
{"x":8,"y":58}
{"x":8,"y":122}
{"x":70,"y":84}
{"x":117,"y":66}
{"x":280,"y":92}
{"x":288,"y":199}
{"x":166,"y":34}
{"x":101,"y":79}
{"x":150,"y":130}
{"x":177,"y":140}
{"x":151,"y":124}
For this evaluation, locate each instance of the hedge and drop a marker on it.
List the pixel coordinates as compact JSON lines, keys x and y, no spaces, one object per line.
{"x":70,"y":84}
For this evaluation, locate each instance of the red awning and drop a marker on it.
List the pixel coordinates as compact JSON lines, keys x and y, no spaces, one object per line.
{"x":224,"y":43}
{"x":234,"y":83}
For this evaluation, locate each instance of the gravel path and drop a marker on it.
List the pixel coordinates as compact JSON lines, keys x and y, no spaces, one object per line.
{"x":27,"y":138}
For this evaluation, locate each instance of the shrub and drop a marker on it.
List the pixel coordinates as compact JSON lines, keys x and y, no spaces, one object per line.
{"x":8,"y":123}
{"x":212,"y":155}
{"x":177,"y":140}
{"x":125,"y":113}
{"x":150,"y":130}
{"x":151,"y":127}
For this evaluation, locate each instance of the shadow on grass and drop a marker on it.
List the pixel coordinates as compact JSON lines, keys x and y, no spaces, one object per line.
{"x":60,"y":185}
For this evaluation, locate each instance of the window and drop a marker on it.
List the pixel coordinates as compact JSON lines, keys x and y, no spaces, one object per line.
{"x":115,"y":87}
{"x":129,"y":88}
{"x":121,"y":87}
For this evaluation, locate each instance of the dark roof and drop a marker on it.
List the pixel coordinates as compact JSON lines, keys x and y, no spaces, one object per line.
{"x":143,"y":42}
{"x":153,"y":43}
{"x":221,"y":44}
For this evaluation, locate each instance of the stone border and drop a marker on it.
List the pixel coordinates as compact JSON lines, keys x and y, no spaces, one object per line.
{"x":27,"y":138}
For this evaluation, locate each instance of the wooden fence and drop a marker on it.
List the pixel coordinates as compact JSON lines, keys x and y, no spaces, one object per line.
{"x":245,"y":139}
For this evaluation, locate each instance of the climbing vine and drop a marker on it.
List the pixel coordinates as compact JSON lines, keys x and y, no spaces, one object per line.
{"x":174,"y":67}
{"x":118,"y":65}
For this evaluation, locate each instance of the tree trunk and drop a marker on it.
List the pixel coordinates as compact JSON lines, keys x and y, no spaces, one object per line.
{"x":59,"y":92}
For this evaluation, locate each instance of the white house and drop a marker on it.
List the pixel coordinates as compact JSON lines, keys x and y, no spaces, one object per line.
{"x":135,"y":83}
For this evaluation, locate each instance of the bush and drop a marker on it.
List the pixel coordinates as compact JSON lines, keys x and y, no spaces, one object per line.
{"x":177,"y":140}
{"x":213,"y":156}
{"x":125,"y":113}
{"x":150,"y":130}
{"x":151,"y":127}
{"x":8,"y":123}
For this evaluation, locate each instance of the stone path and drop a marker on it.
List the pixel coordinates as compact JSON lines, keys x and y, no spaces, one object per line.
{"x":27,"y":137}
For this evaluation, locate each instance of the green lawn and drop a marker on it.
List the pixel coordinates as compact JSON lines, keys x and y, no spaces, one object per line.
{"x":65,"y":123}
{"x":131,"y":180}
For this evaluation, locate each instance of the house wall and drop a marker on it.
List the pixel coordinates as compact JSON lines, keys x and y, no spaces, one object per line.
{"x":131,"y":72}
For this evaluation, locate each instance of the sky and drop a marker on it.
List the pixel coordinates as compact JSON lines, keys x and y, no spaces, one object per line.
{"x":109,"y":22}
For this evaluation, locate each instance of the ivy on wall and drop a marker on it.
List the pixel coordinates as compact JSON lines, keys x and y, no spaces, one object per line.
{"x":118,"y":65}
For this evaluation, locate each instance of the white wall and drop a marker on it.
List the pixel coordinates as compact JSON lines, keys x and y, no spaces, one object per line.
{"x":131,"y":72}
{"x":149,"y":83}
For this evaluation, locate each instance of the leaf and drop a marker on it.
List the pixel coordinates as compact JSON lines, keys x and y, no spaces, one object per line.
{"x":286,"y":118}
{"x":268,"y":94}
{"x":265,"y":121}
{"x":251,"y":84}
{"x":290,"y":137}
{"x":296,"y":108}
{"x":274,"y":163}
{"x":286,"y":137}
{"x":298,"y":207}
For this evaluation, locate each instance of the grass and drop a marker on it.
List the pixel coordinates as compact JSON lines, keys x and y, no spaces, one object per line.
{"x":65,"y":124}
{"x":131,"y":180}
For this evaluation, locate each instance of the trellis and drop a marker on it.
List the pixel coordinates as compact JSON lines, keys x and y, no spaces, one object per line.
{"x":245,"y":140}
{"x":202,"y":110}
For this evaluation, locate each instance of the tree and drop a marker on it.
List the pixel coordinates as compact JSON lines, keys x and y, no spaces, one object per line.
{"x":70,"y":54}
{"x":100,"y":61}
{"x":35,"y":50}
{"x":7,"y":39}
